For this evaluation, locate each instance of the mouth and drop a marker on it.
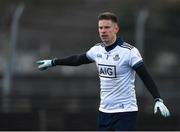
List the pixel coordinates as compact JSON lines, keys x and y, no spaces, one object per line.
{"x":104,"y":36}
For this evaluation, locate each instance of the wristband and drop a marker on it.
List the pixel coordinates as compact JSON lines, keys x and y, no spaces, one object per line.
{"x":53,"y":62}
{"x":158,"y":99}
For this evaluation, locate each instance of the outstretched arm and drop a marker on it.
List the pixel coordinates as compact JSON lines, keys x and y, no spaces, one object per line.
{"x":73,"y":60}
{"x":151,"y":86}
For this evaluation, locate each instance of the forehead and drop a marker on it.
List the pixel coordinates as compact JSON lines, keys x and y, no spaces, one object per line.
{"x":105,"y":22}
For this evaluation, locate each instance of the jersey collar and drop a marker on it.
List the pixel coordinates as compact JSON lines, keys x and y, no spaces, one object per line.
{"x":119,"y":41}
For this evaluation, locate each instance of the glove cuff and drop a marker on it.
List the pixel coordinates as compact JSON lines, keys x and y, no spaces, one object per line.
{"x":53,"y":62}
{"x":158,"y":99}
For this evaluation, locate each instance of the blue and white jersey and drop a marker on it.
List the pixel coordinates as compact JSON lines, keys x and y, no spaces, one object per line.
{"x":116,"y":65}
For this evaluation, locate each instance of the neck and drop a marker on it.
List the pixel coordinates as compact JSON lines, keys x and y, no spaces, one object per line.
{"x":109,"y":43}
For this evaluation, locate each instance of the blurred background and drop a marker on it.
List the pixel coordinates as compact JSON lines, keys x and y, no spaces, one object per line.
{"x":67,"y":98}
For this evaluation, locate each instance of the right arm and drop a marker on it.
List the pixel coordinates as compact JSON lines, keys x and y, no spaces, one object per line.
{"x":73,"y":60}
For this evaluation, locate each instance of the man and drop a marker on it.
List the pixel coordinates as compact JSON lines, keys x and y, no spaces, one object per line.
{"x":117,"y":62}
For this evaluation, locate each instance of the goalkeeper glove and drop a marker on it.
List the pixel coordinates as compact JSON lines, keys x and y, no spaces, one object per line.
{"x":45,"y":64}
{"x":159,"y":105}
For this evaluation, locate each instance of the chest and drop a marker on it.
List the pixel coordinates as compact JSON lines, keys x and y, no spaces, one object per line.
{"x":112,"y":64}
{"x":111,"y":58}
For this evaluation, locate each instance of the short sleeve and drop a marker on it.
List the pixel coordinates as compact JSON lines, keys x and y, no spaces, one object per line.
{"x":91,"y":54}
{"x":135,"y":58}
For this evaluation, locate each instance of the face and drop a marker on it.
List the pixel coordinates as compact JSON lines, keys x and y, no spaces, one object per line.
{"x":108,"y":31}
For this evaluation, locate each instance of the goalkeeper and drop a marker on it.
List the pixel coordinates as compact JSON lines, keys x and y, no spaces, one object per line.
{"x":117,"y":63}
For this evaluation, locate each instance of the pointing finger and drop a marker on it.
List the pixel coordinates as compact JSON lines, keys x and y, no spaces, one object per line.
{"x":40,"y":62}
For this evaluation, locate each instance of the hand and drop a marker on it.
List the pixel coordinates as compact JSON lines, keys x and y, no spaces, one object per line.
{"x":159,"y":105}
{"x":44,"y":64}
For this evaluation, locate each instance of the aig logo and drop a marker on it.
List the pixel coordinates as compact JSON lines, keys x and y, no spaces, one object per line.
{"x":107,"y":71}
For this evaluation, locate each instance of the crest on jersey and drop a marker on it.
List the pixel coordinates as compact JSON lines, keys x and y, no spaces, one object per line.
{"x":116,"y":57}
{"x":107,"y":71}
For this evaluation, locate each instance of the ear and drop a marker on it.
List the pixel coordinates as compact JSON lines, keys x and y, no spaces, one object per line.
{"x":116,"y":28}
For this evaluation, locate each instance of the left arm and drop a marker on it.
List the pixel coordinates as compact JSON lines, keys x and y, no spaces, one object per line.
{"x":148,"y":81}
{"x":151,"y":86}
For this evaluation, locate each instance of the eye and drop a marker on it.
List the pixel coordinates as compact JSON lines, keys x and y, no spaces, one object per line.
{"x":100,"y":27}
{"x":107,"y":27}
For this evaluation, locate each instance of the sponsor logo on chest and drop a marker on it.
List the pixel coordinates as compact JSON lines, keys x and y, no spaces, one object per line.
{"x":107,"y":71}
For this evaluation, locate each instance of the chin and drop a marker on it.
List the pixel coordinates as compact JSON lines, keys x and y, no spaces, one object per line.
{"x":105,"y":40}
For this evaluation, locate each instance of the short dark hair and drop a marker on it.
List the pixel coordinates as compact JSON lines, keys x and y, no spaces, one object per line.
{"x":108,"y":16}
